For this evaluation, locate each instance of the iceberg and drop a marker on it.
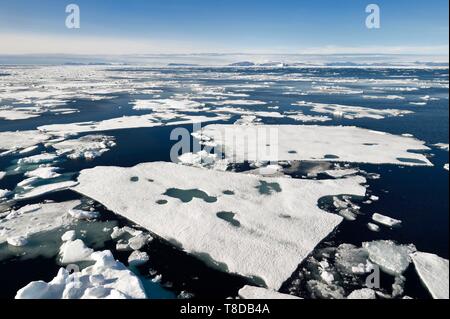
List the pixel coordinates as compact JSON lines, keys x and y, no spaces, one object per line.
{"x":74,"y":251}
{"x":45,"y":189}
{"x":434,"y":273}
{"x":127,"y":122}
{"x":138,"y":258}
{"x":352,"y":112}
{"x":362,"y":294}
{"x":257,"y":227}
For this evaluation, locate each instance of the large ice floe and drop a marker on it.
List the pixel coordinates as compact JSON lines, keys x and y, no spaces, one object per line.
{"x":352,"y":112}
{"x":14,"y":114}
{"x":128,"y":122}
{"x":250,"y":292}
{"x":434,"y":273}
{"x":313,"y":143}
{"x":392,"y":258}
{"x":106,"y":279}
{"x":257,"y":227}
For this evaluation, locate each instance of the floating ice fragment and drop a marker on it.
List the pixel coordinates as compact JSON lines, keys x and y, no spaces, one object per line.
{"x":46,"y":189}
{"x":250,"y":292}
{"x":392,"y":258}
{"x":74,"y":251}
{"x":68,"y":236}
{"x":87,"y":147}
{"x":385,"y":220}
{"x":362,"y":294}
{"x":434,"y":273}
{"x":107,"y":278}
{"x":18,"y":241}
{"x":137,"y":258}
{"x":44,"y":172}
{"x":373,"y":227}
{"x":11,"y":141}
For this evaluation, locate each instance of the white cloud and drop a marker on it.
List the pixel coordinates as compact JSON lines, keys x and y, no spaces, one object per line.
{"x":75,"y":44}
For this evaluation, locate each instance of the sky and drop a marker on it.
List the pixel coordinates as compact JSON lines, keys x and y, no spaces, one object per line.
{"x":223,"y":26}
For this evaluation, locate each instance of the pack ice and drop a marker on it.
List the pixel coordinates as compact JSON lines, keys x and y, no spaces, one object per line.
{"x":261,"y":228}
{"x":314,"y":143}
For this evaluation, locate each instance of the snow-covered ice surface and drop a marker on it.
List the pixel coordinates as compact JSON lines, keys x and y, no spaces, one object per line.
{"x":386,"y":220}
{"x":257,"y":227}
{"x":87,"y":147}
{"x":316,"y":143}
{"x":50,"y":115}
{"x":106,"y":279}
{"x":392,"y":258}
{"x":250,"y":292}
{"x":352,"y":112}
{"x":434,"y":273}
{"x":20,"y":140}
{"x":33,"y":219}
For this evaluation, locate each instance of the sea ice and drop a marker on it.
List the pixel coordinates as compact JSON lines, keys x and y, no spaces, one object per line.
{"x":392,"y":258}
{"x":34,"y":219}
{"x":68,"y":236}
{"x":106,"y":279}
{"x":11,"y":114}
{"x":74,"y":251}
{"x":386,"y":221}
{"x":315,"y":143}
{"x":442,"y":146}
{"x":245,"y":224}
{"x":250,"y":292}
{"x":11,"y":141}
{"x":364,"y":293}
{"x":45,"y":189}
{"x":352,"y":112}
{"x":44,"y":172}
{"x":87,"y":147}
{"x":434,"y":273}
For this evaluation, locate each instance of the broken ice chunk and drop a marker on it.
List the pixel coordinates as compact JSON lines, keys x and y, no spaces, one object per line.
{"x":18,"y":241}
{"x":138,"y":258}
{"x":434,"y":273}
{"x":250,"y":292}
{"x":392,"y":258}
{"x":385,"y":220}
